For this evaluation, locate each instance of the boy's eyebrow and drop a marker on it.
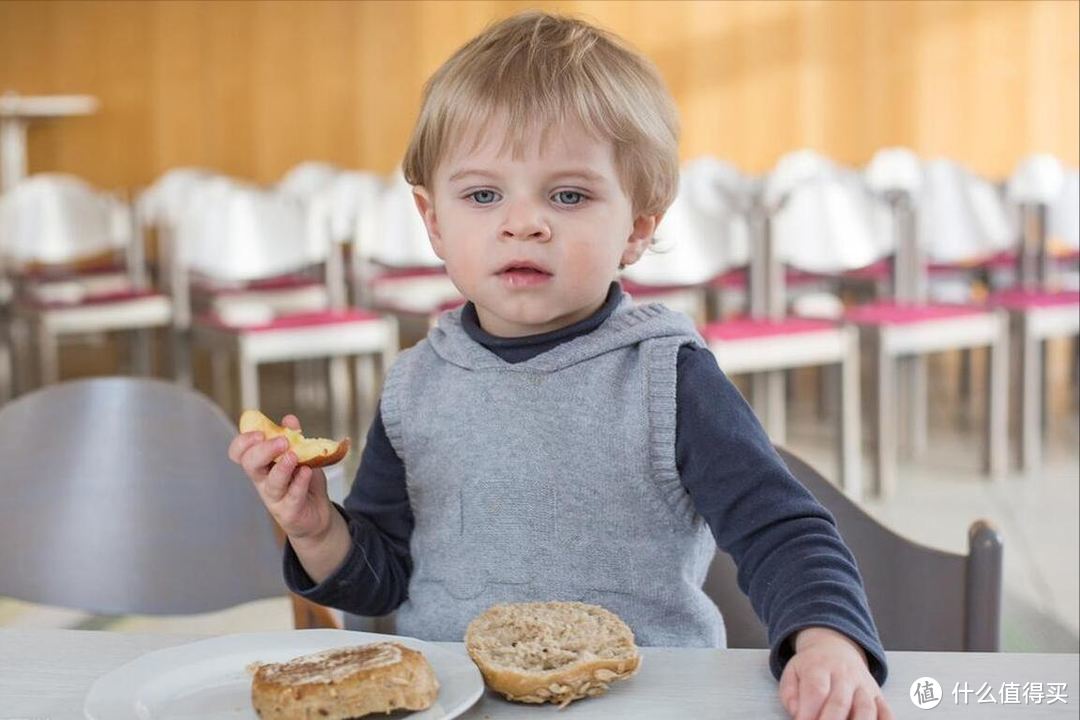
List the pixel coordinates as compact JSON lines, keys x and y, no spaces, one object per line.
{"x":582,"y":173}
{"x":468,"y":171}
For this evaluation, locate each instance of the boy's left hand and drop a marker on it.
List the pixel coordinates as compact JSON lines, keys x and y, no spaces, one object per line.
{"x":828,"y":679}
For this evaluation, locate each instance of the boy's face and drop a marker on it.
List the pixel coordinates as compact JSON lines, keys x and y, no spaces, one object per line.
{"x":534,"y":242}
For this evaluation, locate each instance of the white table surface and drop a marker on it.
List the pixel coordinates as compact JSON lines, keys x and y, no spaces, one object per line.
{"x":45,"y":674}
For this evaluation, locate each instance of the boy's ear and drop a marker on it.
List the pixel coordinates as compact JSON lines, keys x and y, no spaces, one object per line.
{"x":640,"y":238}
{"x":425,"y":204}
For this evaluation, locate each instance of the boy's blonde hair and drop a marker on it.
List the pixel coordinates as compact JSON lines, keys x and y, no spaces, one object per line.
{"x":539,"y":70}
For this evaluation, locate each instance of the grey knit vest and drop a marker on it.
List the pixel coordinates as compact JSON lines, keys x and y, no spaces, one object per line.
{"x":551,"y":479}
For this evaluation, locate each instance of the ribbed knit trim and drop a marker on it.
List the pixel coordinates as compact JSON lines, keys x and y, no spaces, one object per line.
{"x":662,"y":361}
{"x":390,"y":403}
{"x":625,"y":327}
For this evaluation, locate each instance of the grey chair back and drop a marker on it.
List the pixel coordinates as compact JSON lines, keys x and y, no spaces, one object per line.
{"x":921,"y":598}
{"x":117,"y":496}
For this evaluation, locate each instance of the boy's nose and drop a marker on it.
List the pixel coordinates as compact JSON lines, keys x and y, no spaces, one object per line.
{"x":525,"y":222}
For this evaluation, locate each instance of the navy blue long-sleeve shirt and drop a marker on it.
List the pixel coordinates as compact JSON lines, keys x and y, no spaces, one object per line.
{"x":797,"y":570}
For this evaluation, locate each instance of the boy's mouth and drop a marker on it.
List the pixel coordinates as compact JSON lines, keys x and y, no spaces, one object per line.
{"x":523,"y":273}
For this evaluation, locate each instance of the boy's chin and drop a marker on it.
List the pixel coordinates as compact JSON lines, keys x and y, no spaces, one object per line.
{"x":525,"y":321}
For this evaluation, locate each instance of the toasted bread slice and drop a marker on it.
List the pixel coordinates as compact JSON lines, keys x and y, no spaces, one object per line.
{"x":553,"y":652}
{"x":343,"y":683}
{"x":313,"y":452}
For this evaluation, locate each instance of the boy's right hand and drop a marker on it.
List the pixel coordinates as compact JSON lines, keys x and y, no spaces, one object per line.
{"x":296,"y":497}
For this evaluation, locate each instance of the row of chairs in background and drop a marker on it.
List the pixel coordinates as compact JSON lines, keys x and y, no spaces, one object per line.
{"x":894,"y":230}
{"x":797,"y":268}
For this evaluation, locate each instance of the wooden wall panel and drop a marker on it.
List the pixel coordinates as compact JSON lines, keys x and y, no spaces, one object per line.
{"x":252,"y":88}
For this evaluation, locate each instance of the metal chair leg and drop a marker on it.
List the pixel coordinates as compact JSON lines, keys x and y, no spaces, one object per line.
{"x":7,"y":379}
{"x":180,"y":356}
{"x":249,"y":381}
{"x":339,"y":396}
{"x":996,"y":447}
{"x":366,"y":393}
{"x":48,"y":355}
{"x":885,"y":418}
{"x":850,"y":435}
{"x":1030,"y":399}
{"x":918,"y":405}
{"x":767,"y":397}
{"x":141,"y":342}
{"x":309,"y":384}
{"x":220,"y":384}
{"x":21,"y":342}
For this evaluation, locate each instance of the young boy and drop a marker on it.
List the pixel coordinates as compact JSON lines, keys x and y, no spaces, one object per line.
{"x":551,"y":440}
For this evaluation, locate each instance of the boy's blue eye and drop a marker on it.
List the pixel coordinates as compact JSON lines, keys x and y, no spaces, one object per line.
{"x":569,"y":197}
{"x":483,"y":197}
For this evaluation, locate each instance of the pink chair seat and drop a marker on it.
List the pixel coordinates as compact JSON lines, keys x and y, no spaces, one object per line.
{"x":746,"y":328}
{"x":389,"y":274}
{"x":737,"y":279}
{"x":49,"y":273}
{"x":889,"y":312}
{"x":451,"y":305}
{"x":879,"y":271}
{"x":278,"y":283}
{"x":1004,"y":260}
{"x":111,"y":298}
{"x":296,"y":321}
{"x":1027,"y":299}
{"x":634,"y":288}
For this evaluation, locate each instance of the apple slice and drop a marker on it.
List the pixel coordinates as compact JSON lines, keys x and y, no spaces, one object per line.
{"x":313,"y":452}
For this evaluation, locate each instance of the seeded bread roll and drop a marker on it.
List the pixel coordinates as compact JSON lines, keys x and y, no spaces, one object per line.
{"x":344,"y":683}
{"x":553,"y":652}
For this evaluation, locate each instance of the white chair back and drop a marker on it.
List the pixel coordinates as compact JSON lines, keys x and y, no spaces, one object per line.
{"x":345,"y":206}
{"x":961,"y":216}
{"x":308,"y":179}
{"x":893,"y":170}
{"x":823,"y":217}
{"x":704,"y":232}
{"x":57,"y":219}
{"x":164,"y":201}
{"x":233,"y":232}
{"x":792,"y":171}
{"x":397,"y":237}
{"x":1037,"y":179}
{"x":1065,"y":215}
{"x":895,"y":175}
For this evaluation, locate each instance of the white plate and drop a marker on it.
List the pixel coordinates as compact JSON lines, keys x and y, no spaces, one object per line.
{"x":208,"y":679}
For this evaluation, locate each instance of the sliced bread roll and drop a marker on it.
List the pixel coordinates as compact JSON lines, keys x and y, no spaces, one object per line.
{"x":553,"y":652}
{"x":313,"y":452}
{"x":343,"y":683}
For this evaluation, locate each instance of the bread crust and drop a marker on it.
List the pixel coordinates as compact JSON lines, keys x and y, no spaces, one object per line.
{"x":345,"y":683}
{"x":252,"y":420}
{"x":586,"y":677}
{"x":560,"y":687}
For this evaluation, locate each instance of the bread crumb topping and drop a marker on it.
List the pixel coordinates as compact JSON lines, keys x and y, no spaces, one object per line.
{"x":331,"y":666}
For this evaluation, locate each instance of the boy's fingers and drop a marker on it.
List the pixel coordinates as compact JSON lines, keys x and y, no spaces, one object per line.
{"x":280,"y":476}
{"x":862,"y":706}
{"x":241,"y":443}
{"x":298,"y":488}
{"x":884,"y":712}
{"x":813,"y":691}
{"x":789,"y":690}
{"x":838,"y":705}
{"x":259,"y":455}
{"x":318,"y":481}
{"x":290,"y":421}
